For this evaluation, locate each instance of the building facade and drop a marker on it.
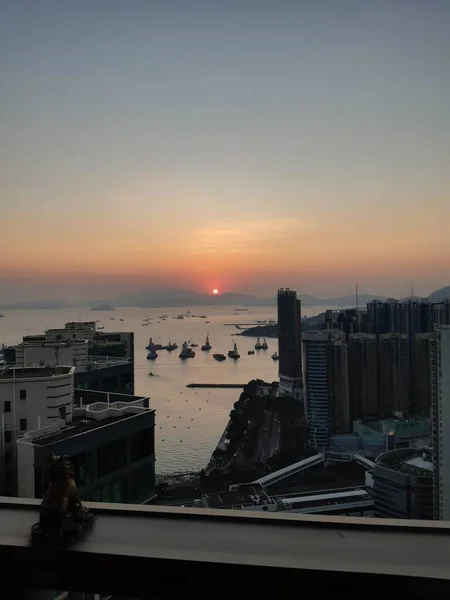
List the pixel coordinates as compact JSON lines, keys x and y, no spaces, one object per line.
{"x":440,"y":419}
{"x":394,"y":380}
{"x":326,"y":386}
{"x":363,"y":375}
{"x":30,"y":398}
{"x":112,"y":448}
{"x":52,"y":353}
{"x":403,"y":484}
{"x":290,"y":343}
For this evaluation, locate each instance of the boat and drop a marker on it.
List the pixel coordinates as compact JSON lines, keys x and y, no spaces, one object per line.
{"x":202,"y":317}
{"x":121,"y":319}
{"x":194,"y":345}
{"x":234,"y":353}
{"x":264,"y":345}
{"x":144,"y":324}
{"x":275,"y":356}
{"x":186,"y":352}
{"x":152,"y":354}
{"x":100,"y":327}
{"x":219,"y":357}
{"x":171,"y":346}
{"x":151,"y":374}
{"x":206,"y":346}
{"x":258,"y":345}
{"x":251,"y":352}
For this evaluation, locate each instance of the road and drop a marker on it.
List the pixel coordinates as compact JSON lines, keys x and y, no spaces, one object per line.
{"x":268,"y":442}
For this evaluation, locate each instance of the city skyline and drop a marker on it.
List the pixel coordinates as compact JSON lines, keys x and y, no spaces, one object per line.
{"x":211,"y":145}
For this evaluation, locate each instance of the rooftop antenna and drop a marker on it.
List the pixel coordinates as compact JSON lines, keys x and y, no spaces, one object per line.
{"x":412,"y":291}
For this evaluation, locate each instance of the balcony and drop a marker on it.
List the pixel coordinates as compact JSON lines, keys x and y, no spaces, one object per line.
{"x":147,"y":552}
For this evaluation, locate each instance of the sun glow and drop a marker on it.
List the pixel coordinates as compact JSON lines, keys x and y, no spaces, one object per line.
{"x":215,"y":291}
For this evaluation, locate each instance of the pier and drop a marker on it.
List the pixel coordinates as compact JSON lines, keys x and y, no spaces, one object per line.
{"x":217,"y":385}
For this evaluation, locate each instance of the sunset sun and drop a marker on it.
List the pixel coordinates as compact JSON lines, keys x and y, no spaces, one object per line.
{"x":215,"y":291}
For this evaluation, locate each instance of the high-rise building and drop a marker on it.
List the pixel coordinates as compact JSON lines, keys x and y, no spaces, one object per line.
{"x":363,"y":375}
{"x":440,"y":421}
{"x":393,"y":363}
{"x":290,"y":343}
{"x":326,"y":386}
{"x":421,"y":374}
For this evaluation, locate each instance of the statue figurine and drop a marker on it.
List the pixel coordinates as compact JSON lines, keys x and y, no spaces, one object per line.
{"x":61,"y":514}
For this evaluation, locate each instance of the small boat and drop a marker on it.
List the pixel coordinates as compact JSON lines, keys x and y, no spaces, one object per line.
{"x":206,"y":346}
{"x":121,"y":319}
{"x":219,"y":357}
{"x":100,"y":327}
{"x":251,"y":352}
{"x":234,"y":353}
{"x":202,"y":316}
{"x":151,"y":374}
{"x":186,"y":352}
{"x":152,"y":354}
{"x":258,"y":344}
{"x":194,"y":345}
{"x":171,"y":346}
{"x":264,"y":345}
{"x":275,"y":356}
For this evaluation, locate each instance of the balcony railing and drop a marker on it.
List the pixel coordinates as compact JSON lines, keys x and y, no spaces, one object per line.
{"x":153,"y":552}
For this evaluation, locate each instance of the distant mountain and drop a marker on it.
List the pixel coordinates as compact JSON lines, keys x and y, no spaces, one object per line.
{"x":103,"y":307}
{"x":439,"y":295}
{"x":36,"y":305}
{"x":151,"y":297}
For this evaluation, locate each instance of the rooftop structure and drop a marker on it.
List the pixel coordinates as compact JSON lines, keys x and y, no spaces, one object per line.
{"x":246,"y":497}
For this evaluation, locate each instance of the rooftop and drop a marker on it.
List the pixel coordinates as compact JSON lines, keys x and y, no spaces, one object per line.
{"x":34,"y":372}
{"x":407,"y":460}
{"x":87,"y":419}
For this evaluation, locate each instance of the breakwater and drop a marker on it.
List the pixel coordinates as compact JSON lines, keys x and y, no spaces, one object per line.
{"x":217,"y":385}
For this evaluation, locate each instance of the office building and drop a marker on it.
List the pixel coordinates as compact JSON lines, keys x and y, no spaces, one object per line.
{"x":111,"y":445}
{"x":290,"y":343}
{"x":52,"y":353}
{"x":394,"y":382}
{"x":103,"y":360}
{"x":403,"y":484}
{"x":30,"y":398}
{"x":363,"y":375}
{"x":440,"y":418}
{"x":326,"y":386}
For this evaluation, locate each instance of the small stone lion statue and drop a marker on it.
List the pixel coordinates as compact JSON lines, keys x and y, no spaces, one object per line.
{"x":61,"y":512}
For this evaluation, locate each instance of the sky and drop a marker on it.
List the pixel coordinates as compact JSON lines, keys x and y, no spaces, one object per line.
{"x":243,"y":145}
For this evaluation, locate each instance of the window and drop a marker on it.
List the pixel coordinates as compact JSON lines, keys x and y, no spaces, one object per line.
{"x":142,"y":444}
{"x":7,"y":406}
{"x":23,"y":394}
{"x":23,"y":424}
{"x":8,"y":437}
{"x":112,"y":456}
